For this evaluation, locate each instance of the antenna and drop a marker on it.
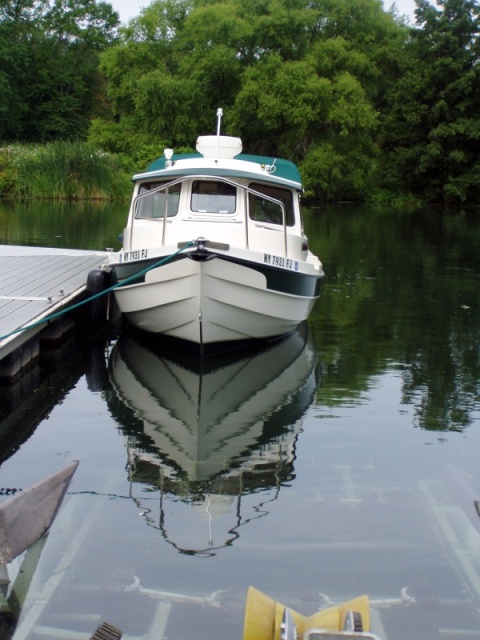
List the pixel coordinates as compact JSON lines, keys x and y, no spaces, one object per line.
{"x":219,"y":122}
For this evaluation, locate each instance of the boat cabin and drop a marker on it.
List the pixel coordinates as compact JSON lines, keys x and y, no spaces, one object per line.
{"x":249,"y":202}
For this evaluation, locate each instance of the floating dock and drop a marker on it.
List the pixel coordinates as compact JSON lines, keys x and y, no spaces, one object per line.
{"x":35,"y":284}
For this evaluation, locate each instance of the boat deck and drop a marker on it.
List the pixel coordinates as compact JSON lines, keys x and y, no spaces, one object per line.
{"x":36,"y":283}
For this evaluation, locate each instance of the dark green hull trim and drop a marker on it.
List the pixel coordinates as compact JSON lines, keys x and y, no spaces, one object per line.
{"x":281,"y":280}
{"x":284,"y":280}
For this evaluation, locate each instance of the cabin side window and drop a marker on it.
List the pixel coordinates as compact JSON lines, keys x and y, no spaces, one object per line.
{"x":263,"y":210}
{"x":213,"y":197}
{"x":154,"y":198}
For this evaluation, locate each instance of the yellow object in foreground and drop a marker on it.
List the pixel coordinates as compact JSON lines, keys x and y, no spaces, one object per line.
{"x":266,"y":619}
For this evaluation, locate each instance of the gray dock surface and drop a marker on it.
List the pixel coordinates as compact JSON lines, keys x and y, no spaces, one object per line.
{"x":35,"y":283}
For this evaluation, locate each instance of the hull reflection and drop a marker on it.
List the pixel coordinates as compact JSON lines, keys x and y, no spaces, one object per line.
{"x":207,"y":432}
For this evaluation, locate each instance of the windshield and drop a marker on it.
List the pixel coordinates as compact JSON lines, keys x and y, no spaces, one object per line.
{"x":262,"y":210}
{"x":213,"y":197}
{"x":154,"y":198}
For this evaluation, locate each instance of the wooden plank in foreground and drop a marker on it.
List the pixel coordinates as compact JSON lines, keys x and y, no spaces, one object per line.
{"x":26,"y":516}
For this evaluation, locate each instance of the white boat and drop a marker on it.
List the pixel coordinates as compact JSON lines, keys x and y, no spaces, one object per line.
{"x":214,"y":249}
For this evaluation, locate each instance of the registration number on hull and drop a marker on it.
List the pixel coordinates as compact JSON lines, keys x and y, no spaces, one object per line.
{"x":280,"y":261}
{"x":136,"y":254}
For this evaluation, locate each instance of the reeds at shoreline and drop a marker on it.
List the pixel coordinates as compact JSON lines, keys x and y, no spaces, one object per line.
{"x":62,"y":170}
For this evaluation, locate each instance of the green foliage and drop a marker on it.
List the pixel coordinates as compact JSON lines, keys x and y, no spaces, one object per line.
{"x":293,"y":98}
{"x":49,"y":79}
{"x":292,"y":77}
{"x":432,"y":119}
{"x":62,"y":171}
{"x":134,"y":150}
{"x":368,"y":107}
{"x":7,"y":172}
{"x":338,"y":173}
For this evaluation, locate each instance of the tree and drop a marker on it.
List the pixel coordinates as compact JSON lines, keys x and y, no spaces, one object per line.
{"x":315,"y":112}
{"x":432,"y":122}
{"x":294,"y":78}
{"x":18,"y":20}
{"x":49,"y":66}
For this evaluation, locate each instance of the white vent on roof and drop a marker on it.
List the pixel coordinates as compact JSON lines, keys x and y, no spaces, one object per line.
{"x":219,"y":146}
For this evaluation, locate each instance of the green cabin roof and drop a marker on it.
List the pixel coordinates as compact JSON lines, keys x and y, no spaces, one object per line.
{"x":285,"y":170}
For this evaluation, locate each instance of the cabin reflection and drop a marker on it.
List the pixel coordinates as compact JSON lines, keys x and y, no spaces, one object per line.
{"x":203,"y":434}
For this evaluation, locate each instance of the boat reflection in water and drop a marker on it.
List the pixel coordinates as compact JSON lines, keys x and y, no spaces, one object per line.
{"x":207,"y":432}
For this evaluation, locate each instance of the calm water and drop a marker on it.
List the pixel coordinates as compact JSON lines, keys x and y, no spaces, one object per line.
{"x":340,"y":462}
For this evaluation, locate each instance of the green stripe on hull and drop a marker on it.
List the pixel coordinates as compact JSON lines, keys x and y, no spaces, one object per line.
{"x":281,"y":280}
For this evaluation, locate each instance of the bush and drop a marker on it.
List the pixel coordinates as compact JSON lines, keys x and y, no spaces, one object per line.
{"x":332,"y":174}
{"x":63,"y":170}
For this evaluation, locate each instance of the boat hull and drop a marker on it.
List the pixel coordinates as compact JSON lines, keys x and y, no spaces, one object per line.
{"x":217,"y":300}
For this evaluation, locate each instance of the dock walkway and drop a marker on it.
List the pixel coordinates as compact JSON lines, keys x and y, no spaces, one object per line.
{"x":35,"y":283}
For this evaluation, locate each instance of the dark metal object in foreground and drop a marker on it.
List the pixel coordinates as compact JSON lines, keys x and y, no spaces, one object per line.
{"x":106,"y":632}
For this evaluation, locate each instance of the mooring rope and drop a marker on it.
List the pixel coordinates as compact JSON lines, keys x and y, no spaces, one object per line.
{"x":62,"y":312}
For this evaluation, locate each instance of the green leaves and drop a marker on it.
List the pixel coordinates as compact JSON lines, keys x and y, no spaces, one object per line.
{"x":289,"y":75}
{"x":432,"y":121}
{"x":49,"y":66}
{"x":362,"y":102}
{"x":291,"y":95}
